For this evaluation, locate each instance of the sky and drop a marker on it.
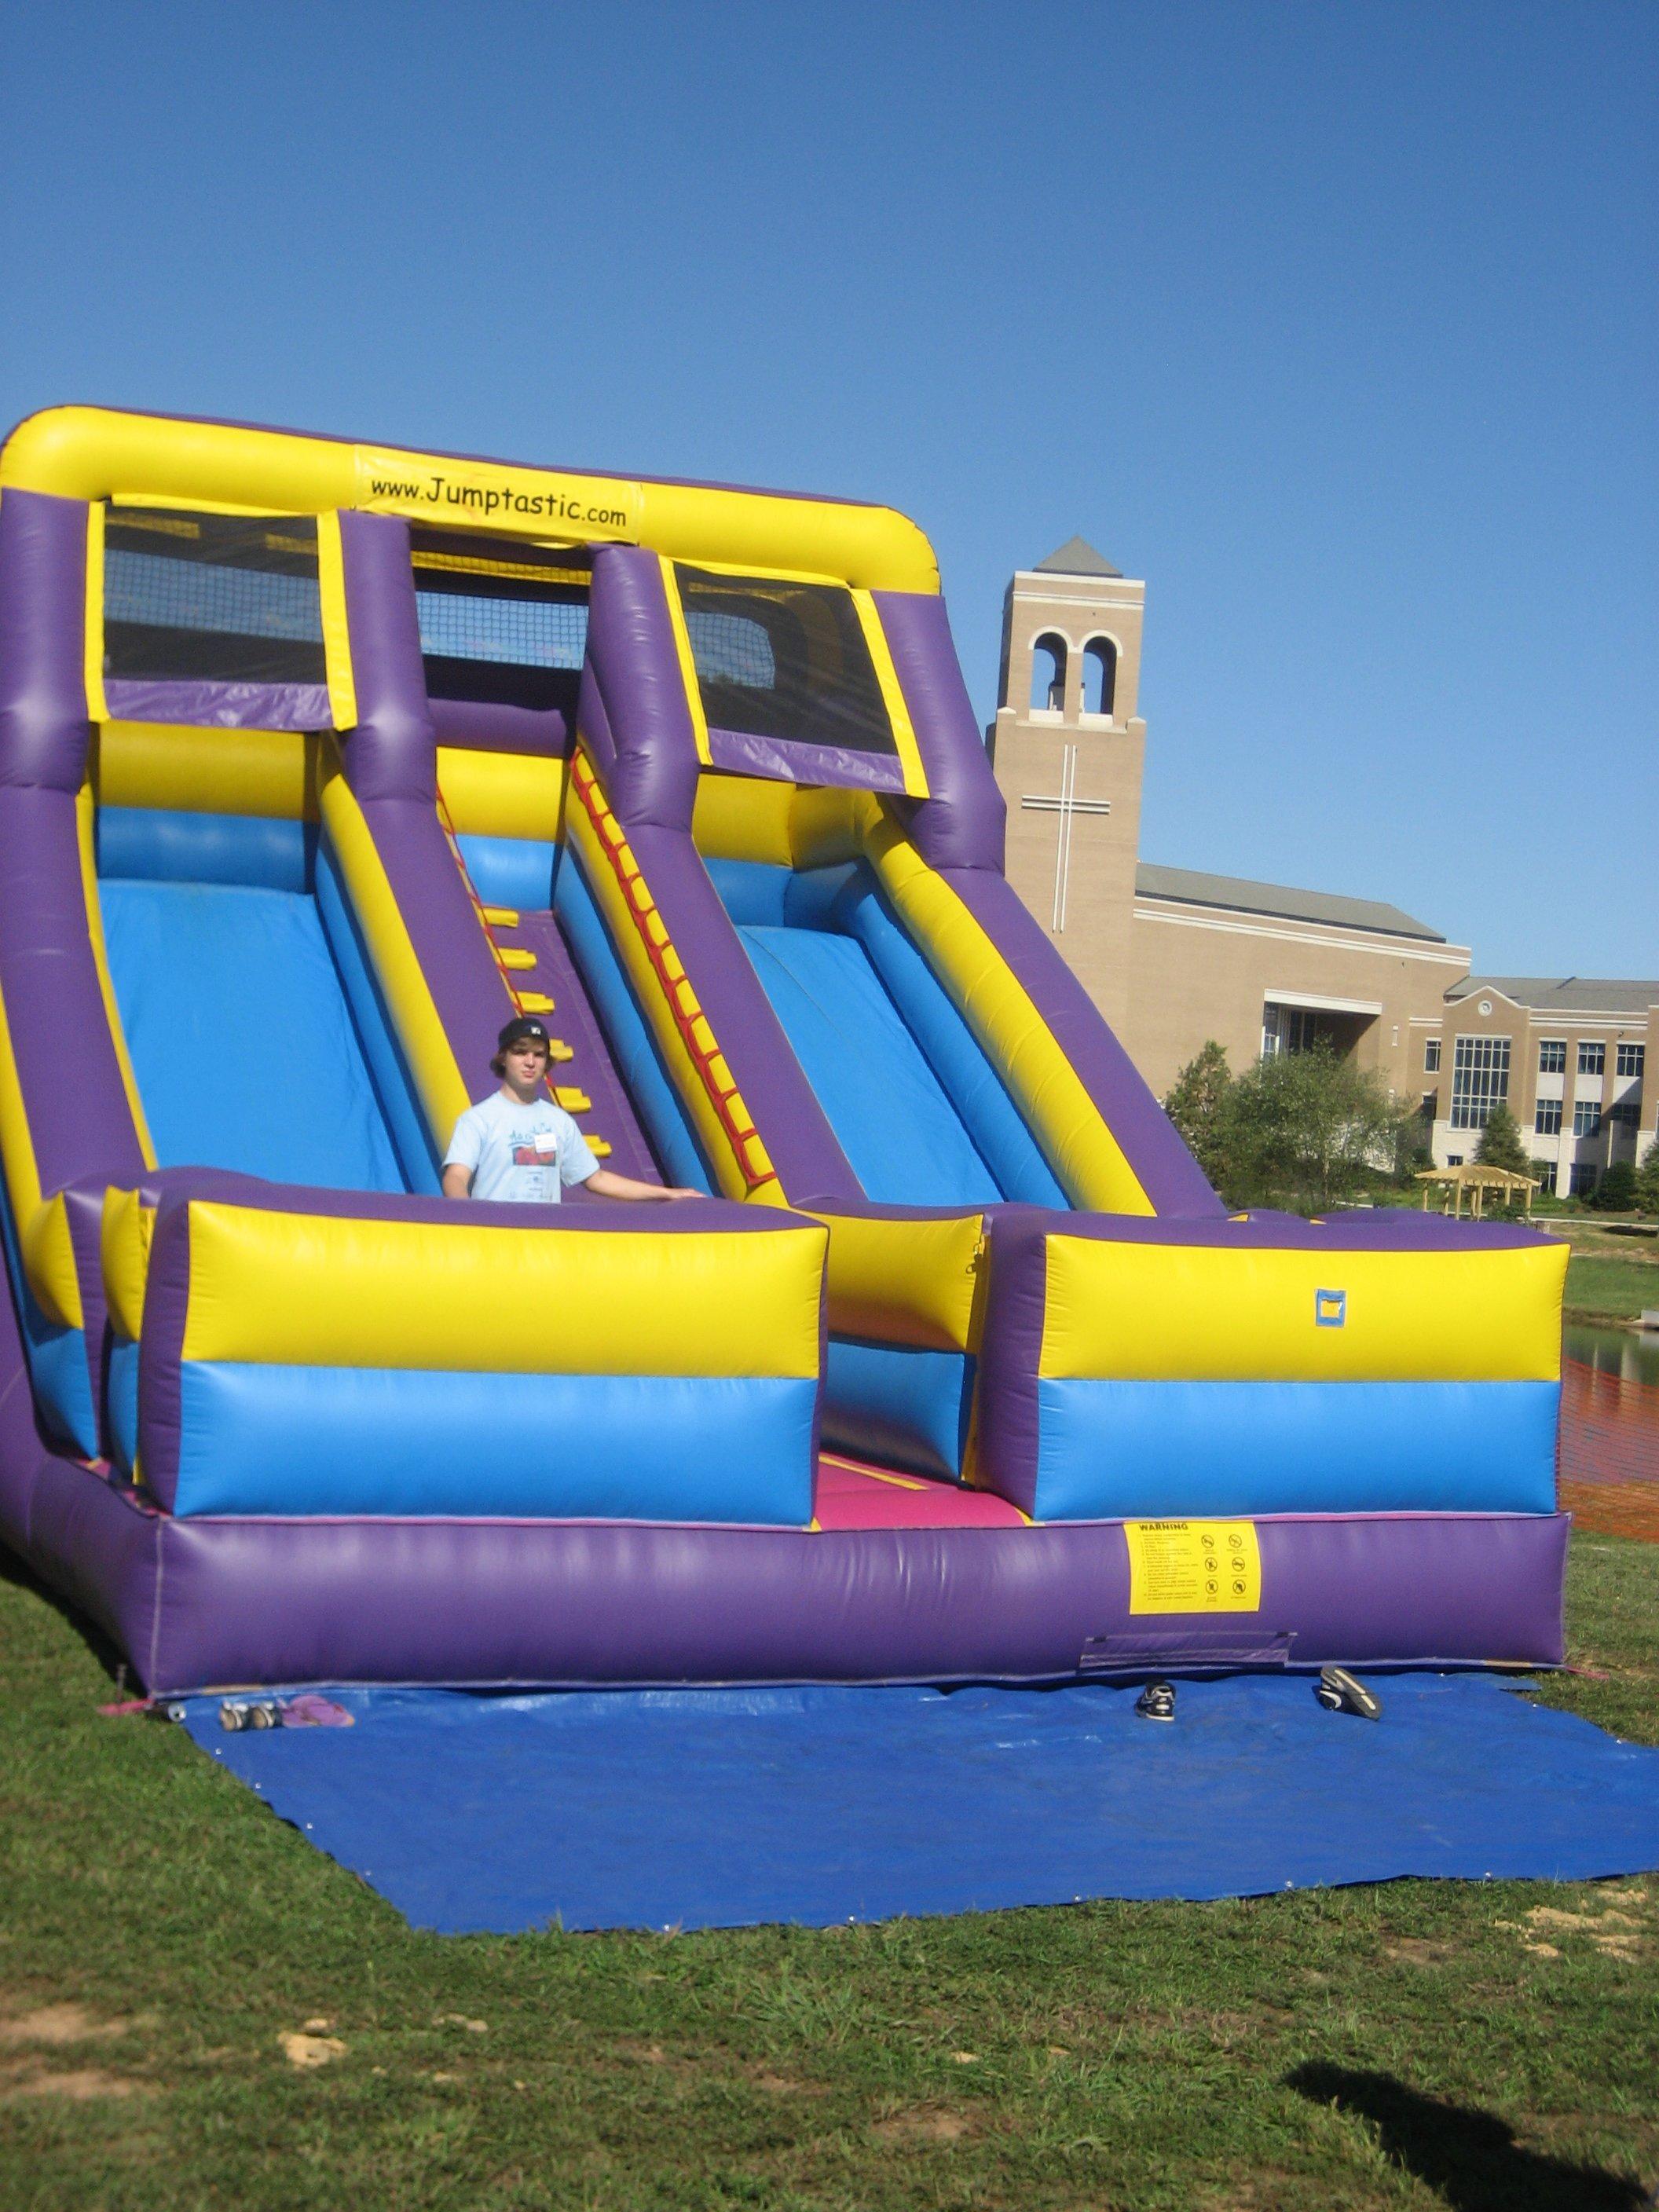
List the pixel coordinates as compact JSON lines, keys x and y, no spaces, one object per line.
{"x":1338,"y":324}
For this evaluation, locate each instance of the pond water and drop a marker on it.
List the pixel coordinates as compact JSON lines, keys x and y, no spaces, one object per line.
{"x":1622,"y":1352}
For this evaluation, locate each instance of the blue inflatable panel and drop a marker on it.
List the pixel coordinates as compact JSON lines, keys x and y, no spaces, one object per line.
{"x":243,"y":1044}
{"x":394,"y":1087}
{"x":714,"y":1809}
{"x":511,"y":870}
{"x":58,"y":1372}
{"x":754,"y":892}
{"x":1115,"y":1450}
{"x":160,"y":845}
{"x":993,"y":1123}
{"x":902,"y":1135}
{"x":639,"y":1064}
{"x":412,"y":1441}
{"x":844,"y":904}
{"x":121,"y":1402}
{"x":903,"y":1407}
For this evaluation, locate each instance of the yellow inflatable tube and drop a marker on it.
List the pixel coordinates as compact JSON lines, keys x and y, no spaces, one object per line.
{"x":294,"y":1290}
{"x":96,"y":454}
{"x":1252,"y":1312}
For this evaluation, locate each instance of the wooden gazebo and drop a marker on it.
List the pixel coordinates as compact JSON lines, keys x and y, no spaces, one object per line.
{"x":1478,"y":1181}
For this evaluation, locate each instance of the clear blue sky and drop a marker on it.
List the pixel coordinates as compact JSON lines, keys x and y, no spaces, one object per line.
{"x":1336,"y":323}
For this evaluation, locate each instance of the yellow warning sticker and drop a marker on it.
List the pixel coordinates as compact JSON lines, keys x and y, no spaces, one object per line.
{"x":1194,"y":1567}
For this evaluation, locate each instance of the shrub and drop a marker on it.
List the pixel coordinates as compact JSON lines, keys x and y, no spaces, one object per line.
{"x":1616,"y":1192}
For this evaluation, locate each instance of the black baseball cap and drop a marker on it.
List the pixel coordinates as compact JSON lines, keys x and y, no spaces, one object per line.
{"x":525,"y":1029}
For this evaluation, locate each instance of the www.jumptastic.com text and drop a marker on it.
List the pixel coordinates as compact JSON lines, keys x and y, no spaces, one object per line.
{"x":489,"y":498}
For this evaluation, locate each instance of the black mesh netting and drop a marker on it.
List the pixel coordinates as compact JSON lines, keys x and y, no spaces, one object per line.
{"x":500,"y":622}
{"x":222,"y":597}
{"x":784,"y":660}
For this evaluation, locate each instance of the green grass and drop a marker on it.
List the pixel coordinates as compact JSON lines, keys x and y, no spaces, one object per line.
{"x":1610,"y":1290}
{"x":1417,"y":2044}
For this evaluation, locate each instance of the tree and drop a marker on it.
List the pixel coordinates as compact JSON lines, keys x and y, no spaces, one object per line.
{"x":1647,"y":1179}
{"x":1616,"y":1192}
{"x":1306,"y":1129}
{"x":1500,"y":1145}
{"x":1197,"y":1105}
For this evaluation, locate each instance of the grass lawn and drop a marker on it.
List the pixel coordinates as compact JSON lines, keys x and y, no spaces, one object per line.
{"x":1600,"y":1288}
{"x":1412,"y":2045}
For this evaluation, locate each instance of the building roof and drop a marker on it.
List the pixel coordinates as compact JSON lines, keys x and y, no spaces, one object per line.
{"x":1197,"y":889}
{"x":1076,"y":558}
{"x":1566,"y":994}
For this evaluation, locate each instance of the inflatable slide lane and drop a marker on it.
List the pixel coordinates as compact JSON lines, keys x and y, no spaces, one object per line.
{"x":317,"y":762}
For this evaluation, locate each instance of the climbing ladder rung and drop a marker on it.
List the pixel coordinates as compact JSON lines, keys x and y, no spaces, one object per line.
{"x":533,"y":1002}
{"x":514,"y":956}
{"x":500,"y":917}
{"x":572,"y":1100}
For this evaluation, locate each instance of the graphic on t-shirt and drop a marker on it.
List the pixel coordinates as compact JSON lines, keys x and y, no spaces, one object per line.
{"x":537,"y":1152}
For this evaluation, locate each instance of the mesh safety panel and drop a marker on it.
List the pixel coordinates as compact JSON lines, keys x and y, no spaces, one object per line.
{"x":222,"y":598}
{"x":526,"y":633}
{"x":500,"y":621}
{"x":784,"y":660}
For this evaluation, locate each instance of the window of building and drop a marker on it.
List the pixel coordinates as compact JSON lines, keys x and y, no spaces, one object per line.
{"x":1296,"y":1029}
{"x":1592,"y":1058}
{"x":1546,"y":1117}
{"x":1048,"y":675}
{"x":1432,"y":1056}
{"x":1545,"y":1172}
{"x":1586,"y":1117}
{"x":1099,"y":676}
{"x":1454,"y":1159}
{"x":1552,"y":1056}
{"x":1630,"y":1060}
{"x":1481,"y":1080}
{"x":1585,"y":1176}
{"x":1625,"y":1113}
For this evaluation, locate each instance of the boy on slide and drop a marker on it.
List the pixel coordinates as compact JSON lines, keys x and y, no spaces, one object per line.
{"x":518,"y":1146}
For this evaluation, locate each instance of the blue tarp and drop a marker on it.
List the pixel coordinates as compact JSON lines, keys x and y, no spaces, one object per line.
{"x":702,"y":1808}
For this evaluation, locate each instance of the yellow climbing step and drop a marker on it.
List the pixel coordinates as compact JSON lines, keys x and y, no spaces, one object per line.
{"x":502,"y":917}
{"x":572,"y":1100}
{"x":533,"y":1002}
{"x":514,"y":956}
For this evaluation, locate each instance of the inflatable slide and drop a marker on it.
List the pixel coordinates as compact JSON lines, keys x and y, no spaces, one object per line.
{"x":317,"y":761}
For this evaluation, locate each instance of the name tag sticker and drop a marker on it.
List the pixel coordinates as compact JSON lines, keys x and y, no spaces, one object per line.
{"x":546,"y":1141}
{"x":1194,"y":1567}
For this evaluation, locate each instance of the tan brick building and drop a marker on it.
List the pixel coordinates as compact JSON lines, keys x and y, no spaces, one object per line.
{"x":1569,"y":1058}
{"x":1173,"y":957}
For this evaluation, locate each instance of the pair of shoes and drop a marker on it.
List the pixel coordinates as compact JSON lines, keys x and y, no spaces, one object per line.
{"x":1157,"y":1702}
{"x":1339,"y":1692}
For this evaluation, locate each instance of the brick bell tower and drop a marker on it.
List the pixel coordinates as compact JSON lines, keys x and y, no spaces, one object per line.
{"x":1068,"y":750}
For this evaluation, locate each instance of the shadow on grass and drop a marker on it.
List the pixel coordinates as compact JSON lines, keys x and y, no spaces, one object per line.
{"x":18,"y":1572}
{"x":1468,"y":2157}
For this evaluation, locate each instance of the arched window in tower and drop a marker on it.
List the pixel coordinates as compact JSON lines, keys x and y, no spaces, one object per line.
{"x":1048,"y":674}
{"x":1099,"y":676}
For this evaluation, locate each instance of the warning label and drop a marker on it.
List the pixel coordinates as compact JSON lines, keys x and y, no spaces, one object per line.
{"x":1194,"y":1567}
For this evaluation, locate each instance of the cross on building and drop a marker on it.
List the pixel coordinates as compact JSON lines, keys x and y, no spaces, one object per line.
{"x":1066,"y":803}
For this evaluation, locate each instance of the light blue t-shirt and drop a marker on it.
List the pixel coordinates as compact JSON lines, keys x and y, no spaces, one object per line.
{"x":521,"y":1153}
